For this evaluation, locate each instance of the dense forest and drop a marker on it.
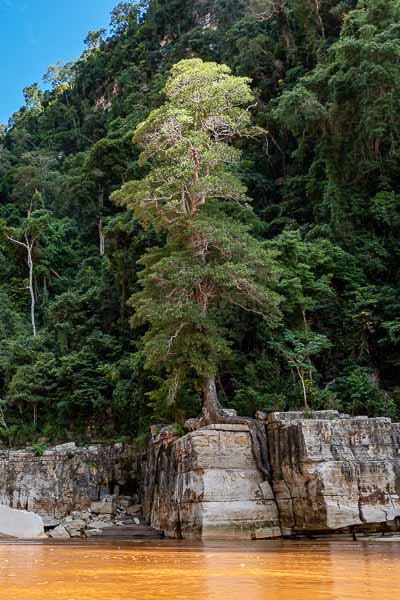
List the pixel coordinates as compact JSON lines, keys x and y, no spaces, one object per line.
{"x":304,"y":197}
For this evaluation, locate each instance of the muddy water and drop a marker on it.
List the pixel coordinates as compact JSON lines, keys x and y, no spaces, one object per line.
{"x":167,"y":570}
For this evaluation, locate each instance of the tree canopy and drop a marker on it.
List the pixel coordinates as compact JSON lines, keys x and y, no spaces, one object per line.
{"x":210,"y":190}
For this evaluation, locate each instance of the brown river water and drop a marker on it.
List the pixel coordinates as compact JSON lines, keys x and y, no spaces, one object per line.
{"x":166,"y":570}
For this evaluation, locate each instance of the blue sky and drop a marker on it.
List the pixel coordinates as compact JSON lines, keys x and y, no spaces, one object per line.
{"x":37,"y":33}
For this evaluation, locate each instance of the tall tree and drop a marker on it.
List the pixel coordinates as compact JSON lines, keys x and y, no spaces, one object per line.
{"x":209,"y":260}
{"x":27,"y":236}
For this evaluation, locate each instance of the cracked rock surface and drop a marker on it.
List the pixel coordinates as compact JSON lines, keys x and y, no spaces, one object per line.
{"x":331,"y":473}
{"x":206,"y":485}
{"x":66,"y":478}
{"x":334,"y":472}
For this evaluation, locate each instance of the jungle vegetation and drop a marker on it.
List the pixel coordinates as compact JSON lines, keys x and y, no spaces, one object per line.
{"x":208,"y":198}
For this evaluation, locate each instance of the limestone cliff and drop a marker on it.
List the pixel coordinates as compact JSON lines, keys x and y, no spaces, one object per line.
{"x":65,"y":478}
{"x":330,"y":473}
{"x":334,"y":472}
{"x":206,"y":485}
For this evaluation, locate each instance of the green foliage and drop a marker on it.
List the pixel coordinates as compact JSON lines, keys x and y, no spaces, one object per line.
{"x":360,"y":393}
{"x":39,"y":448}
{"x":321,"y":168}
{"x":209,"y":260}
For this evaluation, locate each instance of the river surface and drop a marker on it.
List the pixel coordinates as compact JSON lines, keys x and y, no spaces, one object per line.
{"x":166,"y":570}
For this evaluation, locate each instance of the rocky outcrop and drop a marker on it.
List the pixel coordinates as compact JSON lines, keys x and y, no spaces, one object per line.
{"x":115,"y":516}
{"x":332,"y":472}
{"x":329,"y":473}
{"x":206,"y":485}
{"x":65,"y":478}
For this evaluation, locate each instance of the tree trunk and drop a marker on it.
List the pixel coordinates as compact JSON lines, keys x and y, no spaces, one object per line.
{"x":101,"y":237}
{"x":31,"y":288}
{"x":317,"y":4}
{"x":100,"y":223}
{"x":212,"y":408}
{"x":303,"y":385}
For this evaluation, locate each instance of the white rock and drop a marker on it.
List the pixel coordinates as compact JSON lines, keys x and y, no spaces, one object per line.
{"x":50,"y":521}
{"x":20,"y":523}
{"x":75,"y":525}
{"x":66,"y":447}
{"x":102,"y":508}
{"x":59,"y":532}
{"x":99,"y":524}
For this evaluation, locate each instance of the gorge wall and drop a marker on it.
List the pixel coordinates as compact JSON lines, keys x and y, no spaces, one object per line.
{"x":206,"y":485}
{"x":65,"y":478}
{"x":330,"y":473}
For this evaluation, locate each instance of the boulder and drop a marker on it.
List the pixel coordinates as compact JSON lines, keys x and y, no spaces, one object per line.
{"x":102,"y":508}
{"x":59,"y":532}
{"x":65,"y":447}
{"x":99,"y":524}
{"x":77,"y":525}
{"x":50,"y":521}
{"x":20,"y":523}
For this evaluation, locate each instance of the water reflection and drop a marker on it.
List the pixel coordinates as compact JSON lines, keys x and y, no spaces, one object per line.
{"x":167,"y":570}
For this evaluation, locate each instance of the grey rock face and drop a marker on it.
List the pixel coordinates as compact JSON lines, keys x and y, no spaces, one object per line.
{"x":333,"y":472}
{"x":206,"y":485}
{"x":330,"y":473}
{"x":65,"y":478}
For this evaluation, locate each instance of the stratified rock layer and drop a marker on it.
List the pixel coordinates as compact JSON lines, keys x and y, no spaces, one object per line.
{"x":206,"y":485}
{"x":65,"y":479}
{"x":330,"y":473}
{"x":334,"y":472}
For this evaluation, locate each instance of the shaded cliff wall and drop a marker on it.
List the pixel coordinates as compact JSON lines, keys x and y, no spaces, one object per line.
{"x":330,"y":473}
{"x":66,"y":478}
